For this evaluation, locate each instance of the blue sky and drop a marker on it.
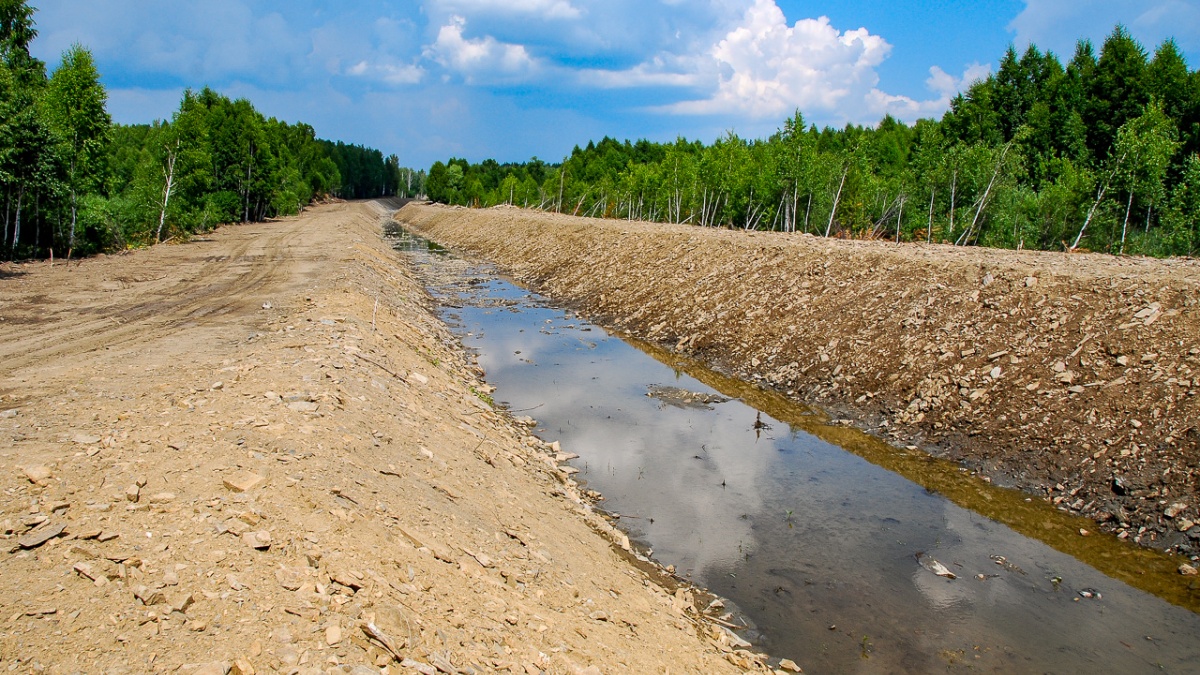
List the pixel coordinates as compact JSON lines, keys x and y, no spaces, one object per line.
{"x":512,"y":79}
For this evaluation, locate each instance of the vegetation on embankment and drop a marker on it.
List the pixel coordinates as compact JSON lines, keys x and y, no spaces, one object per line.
{"x":73,"y":182}
{"x":1100,"y":153}
{"x":1072,"y":376}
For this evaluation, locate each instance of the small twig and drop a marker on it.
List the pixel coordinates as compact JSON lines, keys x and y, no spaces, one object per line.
{"x":381,"y":367}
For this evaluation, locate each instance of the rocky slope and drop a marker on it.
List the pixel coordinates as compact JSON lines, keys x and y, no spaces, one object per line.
{"x":1072,"y":376}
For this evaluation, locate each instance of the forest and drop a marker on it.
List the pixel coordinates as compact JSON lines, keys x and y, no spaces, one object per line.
{"x":1100,"y":154}
{"x":75,"y":183}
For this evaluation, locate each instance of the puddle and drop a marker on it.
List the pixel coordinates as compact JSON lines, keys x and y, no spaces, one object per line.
{"x":829,"y":542}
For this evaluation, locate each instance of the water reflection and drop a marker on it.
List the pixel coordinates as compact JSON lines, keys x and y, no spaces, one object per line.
{"x":818,"y":546}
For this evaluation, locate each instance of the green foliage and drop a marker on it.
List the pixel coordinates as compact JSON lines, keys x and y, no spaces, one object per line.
{"x":1100,"y":153}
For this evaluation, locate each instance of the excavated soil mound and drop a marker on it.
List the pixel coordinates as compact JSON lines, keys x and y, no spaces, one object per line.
{"x":1072,"y":376}
{"x":259,"y":451}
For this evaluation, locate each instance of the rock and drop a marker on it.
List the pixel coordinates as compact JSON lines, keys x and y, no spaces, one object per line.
{"x":8,"y":414}
{"x":1183,"y":525}
{"x":598,"y":616}
{"x":418,"y":378}
{"x":85,"y":439}
{"x":241,"y":667}
{"x":41,"y":536}
{"x":244,"y":481}
{"x":133,"y":493}
{"x":290,"y":578}
{"x":935,"y":567}
{"x":789,"y":665}
{"x":162,"y":498}
{"x":995,"y":374}
{"x":1175,"y":509}
{"x":303,"y":406}
{"x":38,"y":475}
{"x":423,"y":668}
{"x":234,"y":583}
{"x":1187,"y":570}
{"x":149,"y":596}
{"x":260,"y":540}
{"x":1030,"y":282}
{"x":333,"y":634}
{"x":383,"y":639}
{"x":214,"y":668}
{"x":183,"y":604}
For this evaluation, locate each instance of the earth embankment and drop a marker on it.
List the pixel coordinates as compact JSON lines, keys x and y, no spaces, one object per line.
{"x":260,"y":451}
{"x":1072,"y":376}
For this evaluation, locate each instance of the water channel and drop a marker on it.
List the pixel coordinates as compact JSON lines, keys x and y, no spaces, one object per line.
{"x":828,"y":557}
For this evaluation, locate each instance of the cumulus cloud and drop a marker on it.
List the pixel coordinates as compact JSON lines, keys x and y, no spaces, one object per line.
{"x":766,"y":68}
{"x":478,"y":59}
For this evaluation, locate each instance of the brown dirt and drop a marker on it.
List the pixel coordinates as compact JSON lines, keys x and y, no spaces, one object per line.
{"x":1071,"y":376}
{"x":298,"y":360}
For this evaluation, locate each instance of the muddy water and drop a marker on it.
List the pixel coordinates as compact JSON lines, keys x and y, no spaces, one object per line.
{"x":830,"y":558}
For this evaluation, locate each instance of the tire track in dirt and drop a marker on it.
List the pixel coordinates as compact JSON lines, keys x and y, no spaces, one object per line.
{"x":217,"y":287}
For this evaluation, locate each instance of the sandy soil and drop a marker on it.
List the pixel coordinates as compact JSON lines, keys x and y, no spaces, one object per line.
{"x":259,"y":451}
{"x":1071,"y":376}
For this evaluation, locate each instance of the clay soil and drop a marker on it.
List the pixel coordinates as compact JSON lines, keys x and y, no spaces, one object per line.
{"x":1073,"y":377}
{"x":259,"y":451}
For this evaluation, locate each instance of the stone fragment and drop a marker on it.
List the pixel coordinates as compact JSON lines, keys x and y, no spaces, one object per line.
{"x":377,"y":635}
{"x":241,"y":667}
{"x":183,"y":604}
{"x":333,"y":634}
{"x":423,"y":668}
{"x":214,"y":668}
{"x":290,"y":578}
{"x":41,"y":536}
{"x":162,"y":498}
{"x":107,"y":536}
{"x":1175,"y":509}
{"x":303,"y":406}
{"x":790,"y":666}
{"x":38,"y":475}
{"x":85,"y":439}
{"x":1187,"y":570}
{"x":418,"y":378}
{"x":1183,"y":525}
{"x":133,"y":493}
{"x":149,"y":596}
{"x":244,"y":481}
{"x":260,"y":540}
{"x":234,"y":583}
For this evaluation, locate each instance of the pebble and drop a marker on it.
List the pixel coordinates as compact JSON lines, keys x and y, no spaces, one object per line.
{"x":333,"y":634}
{"x":133,"y":493}
{"x":162,"y":498}
{"x":789,"y":665}
{"x":1188,"y":570}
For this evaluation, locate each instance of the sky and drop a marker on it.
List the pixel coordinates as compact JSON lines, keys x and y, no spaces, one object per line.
{"x":515,"y":79}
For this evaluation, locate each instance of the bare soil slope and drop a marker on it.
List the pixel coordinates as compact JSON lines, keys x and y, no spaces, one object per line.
{"x":260,"y":452}
{"x":1071,"y":376}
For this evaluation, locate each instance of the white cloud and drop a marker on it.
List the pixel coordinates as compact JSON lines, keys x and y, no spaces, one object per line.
{"x":766,"y":68}
{"x":940,"y":82}
{"x":481,"y":59}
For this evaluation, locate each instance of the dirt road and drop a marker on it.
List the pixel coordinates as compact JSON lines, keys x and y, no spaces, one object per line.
{"x":259,"y":451}
{"x":1074,"y":377}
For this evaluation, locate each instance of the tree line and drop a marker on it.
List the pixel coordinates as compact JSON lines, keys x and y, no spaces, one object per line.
{"x":76,"y":183}
{"x":1098,"y":154}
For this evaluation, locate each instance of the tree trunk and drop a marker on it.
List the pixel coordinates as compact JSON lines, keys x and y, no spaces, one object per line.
{"x":1096,"y":204}
{"x":170,"y":172}
{"x":953,"y":189}
{"x":899,"y":217}
{"x":929,"y":229}
{"x":837,"y":198}
{"x":1125,"y":224}
{"x":17,"y":221}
